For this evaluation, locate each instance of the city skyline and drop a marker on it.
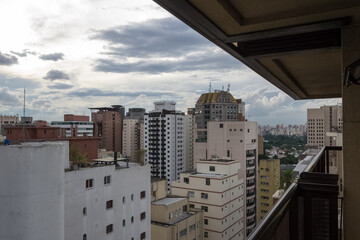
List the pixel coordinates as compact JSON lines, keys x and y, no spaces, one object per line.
{"x":70,"y":58}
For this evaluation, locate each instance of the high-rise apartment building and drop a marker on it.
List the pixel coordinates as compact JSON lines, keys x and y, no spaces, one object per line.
{"x":320,"y":122}
{"x":215,"y":106}
{"x":189,"y":135}
{"x":131,"y":137}
{"x":164,"y":141}
{"x":108,"y":125}
{"x":268,"y":183}
{"x":218,"y":189}
{"x":238,"y":141}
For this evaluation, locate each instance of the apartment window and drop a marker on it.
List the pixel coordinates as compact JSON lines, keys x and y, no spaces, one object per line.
{"x":204,"y":195}
{"x":185,"y":208}
{"x":186,"y":180}
{"x":142,"y":235}
{"x":124,"y":222}
{"x":84,"y":237}
{"x":142,"y":215}
{"x":191,"y":194}
{"x":183,"y":232}
{"x":204,"y":208}
{"x":123,"y":200}
{"x":89,"y":183}
{"x":221,"y":125}
{"x":212,"y":168}
{"x":109,"y":228}
{"x":109,"y":204}
{"x":191,"y":206}
{"x":84,"y":211}
{"x":206,"y":234}
{"x":132,"y":219}
{"x":170,"y":215}
{"x":192,"y":228}
{"x":142,"y":195}
{"x":107,"y":179}
{"x":132,"y":197}
{"x":206,"y":221}
{"x":207,"y":181}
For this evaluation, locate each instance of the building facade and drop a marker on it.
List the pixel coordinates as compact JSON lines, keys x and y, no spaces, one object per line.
{"x":171,"y":219}
{"x":235,"y":140}
{"x":53,"y":202}
{"x":323,"y":120}
{"x":215,"y":106}
{"x":164,"y":141}
{"x":75,"y":126}
{"x":268,"y":183}
{"x":108,"y":126}
{"x":6,"y":120}
{"x":189,"y":135}
{"x":219,"y":190}
{"x":131,"y":137}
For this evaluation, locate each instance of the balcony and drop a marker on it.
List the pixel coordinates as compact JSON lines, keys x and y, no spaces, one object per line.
{"x":309,"y":208}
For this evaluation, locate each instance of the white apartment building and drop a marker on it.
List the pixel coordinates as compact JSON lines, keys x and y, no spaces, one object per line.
{"x":322,"y":121}
{"x":236,"y":140}
{"x":98,"y":202}
{"x":131,"y":136}
{"x":164,"y":141}
{"x":75,"y":128}
{"x":218,"y":189}
{"x":7,"y":120}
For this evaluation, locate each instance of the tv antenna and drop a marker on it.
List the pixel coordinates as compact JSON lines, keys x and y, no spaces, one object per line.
{"x":210,"y":87}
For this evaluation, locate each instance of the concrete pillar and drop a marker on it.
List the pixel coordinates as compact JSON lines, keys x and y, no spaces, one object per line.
{"x":351,"y":136}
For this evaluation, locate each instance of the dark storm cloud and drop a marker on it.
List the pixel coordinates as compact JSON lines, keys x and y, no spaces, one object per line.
{"x":93,"y":92}
{"x":218,"y":61}
{"x":8,"y":99}
{"x":52,"y":56}
{"x":157,"y":37}
{"x":56,"y":74}
{"x":60,"y":86}
{"x":7,"y":59}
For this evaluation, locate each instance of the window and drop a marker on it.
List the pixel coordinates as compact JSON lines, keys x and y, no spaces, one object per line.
{"x":204,"y":208}
{"x":191,"y":206}
{"x":191,"y":194}
{"x":221,"y":125}
{"x":109,"y":204}
{"x":124,"y":223}
{"x":206,"y":221}
{"x":132,"y":219}
{"x":183,"y":232}
{"x":185,"y":208}
{"x":142,"y":195}
{"x":89,"y":183}
{"x":212,"y":168}
{"x":204,"y":195}
{"x":123,"y":199}
{"x":107,"y":179}
{"x":84,"y":237}
{"x":192,"y":228}
{"x":84,"y":211}
{"x":186,"y":180}
{"x":132,"y":197}
{"x":170,"y":215}
{"x":207,"y":181}
{"x":206,"y":234}
{"x":142,"y":235}
{"x":142,"y":215}
{"x":109,"y":228}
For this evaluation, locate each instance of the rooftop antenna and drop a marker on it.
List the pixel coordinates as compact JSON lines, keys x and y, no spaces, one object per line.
{"x":24,"y":104}
{"x":222,"y":87}
{"x":210,"y":87}
{"x":228,"y":87}
{"x":24,"y":134}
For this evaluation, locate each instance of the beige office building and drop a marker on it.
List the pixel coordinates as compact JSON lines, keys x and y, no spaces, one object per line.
{"x":171,"y":219}
{"x":189,"y":135}
{"x":238,"y":141}
{"x":217,"y":187}
{"x":268,"y":184}
{"x":323,"y":120}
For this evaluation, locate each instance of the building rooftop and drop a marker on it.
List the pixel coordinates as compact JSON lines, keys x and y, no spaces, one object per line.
{"x":167,"y":201}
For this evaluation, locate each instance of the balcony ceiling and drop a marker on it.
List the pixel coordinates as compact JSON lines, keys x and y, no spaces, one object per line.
{"x":295,"y":45}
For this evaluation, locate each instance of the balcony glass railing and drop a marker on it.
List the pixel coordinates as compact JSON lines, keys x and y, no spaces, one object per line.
{"x":309,"y":207}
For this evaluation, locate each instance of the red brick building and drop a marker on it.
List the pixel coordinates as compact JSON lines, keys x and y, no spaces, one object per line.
{"x":108,"y":126}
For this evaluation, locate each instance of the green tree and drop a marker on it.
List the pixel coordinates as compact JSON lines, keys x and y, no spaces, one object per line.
{"x":77,"y":158}
{"x":286,"y":178}
{"x":139,"y":156}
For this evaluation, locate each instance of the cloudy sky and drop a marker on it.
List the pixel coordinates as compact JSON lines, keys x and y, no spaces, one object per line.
{"x":72,"y":55}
